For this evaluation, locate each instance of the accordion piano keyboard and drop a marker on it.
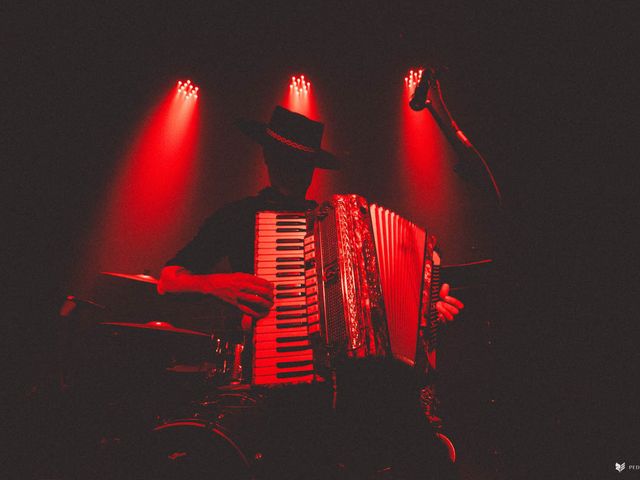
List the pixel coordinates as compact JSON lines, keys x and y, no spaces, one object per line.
{"x":282,"y":350}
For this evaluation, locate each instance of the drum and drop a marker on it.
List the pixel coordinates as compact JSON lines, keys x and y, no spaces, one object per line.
{"x":241,"y":432}
{"x":217,"y":441}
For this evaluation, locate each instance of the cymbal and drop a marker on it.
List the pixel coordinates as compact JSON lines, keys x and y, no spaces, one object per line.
{"x":139,"y":277}
{"x":156,"y":326}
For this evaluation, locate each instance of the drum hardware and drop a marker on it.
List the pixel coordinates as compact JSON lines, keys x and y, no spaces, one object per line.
{"x":139,"y":277}
{"x":236,"y":370}
{"x":155,"y":326}
{"x":221,"y":355}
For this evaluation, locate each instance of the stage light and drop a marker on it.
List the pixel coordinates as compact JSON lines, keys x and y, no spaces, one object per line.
{"x":412,"y":79}
{"x":300,"y":85}
{"x":298,"y":97}
{"x":188,"y":89}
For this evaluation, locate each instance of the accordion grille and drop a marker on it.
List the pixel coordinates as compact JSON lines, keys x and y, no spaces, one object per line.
{"x":336,"y":330}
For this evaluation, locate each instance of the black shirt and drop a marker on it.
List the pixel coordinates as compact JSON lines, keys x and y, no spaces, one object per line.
{"x":230,"y":232}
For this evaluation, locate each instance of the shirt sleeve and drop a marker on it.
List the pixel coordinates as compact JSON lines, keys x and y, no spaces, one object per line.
{"x":211,"y":243}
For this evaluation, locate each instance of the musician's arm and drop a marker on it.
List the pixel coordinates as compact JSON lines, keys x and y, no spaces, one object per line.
{"x":252,"y":295}
{"x":177,"y":279}
{"x":189,"y":270}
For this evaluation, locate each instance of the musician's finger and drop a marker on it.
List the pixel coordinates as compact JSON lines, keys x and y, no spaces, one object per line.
{"x":444,"y":290}
{"x":254,"y":301}
{"x":444,"y":312}
{"x":454,"y":301}
{"x":260,"y":290}
{"x":261,"y":282}
{"x":450,"y":308}
{"x":248,"y":311}
{"x":258,"y":285}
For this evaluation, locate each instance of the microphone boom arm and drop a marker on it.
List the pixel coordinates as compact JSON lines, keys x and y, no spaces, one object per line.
{"x":423,"y":96}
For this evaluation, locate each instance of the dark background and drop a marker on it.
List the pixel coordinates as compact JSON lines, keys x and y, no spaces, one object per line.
{"x":538,"y":89}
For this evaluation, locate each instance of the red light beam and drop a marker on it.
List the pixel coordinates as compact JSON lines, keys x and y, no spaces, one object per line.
{"x":149,"y":195}
{"x":299,"y":98}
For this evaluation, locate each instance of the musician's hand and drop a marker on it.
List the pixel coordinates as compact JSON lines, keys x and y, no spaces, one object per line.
{"x":251,"y":294}
{"x":448,"y":307}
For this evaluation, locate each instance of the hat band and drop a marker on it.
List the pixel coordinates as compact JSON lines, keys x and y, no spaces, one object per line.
{"x":290,"y":143}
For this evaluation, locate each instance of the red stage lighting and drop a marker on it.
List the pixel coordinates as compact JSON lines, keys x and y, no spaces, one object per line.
{"x":299,"y":99}
{"x":421,"y":155}
{"x":432,"y":193}
{"x":187,"y":89}
{"x":300,"y":86}
{"x":151,"y":190}
{"x":412,"y":79}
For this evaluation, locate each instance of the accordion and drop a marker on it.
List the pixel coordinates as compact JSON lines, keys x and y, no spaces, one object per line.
{"x":351,"y":280}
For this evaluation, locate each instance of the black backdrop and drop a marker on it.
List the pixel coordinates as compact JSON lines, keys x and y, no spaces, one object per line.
{"x":538,"y":89}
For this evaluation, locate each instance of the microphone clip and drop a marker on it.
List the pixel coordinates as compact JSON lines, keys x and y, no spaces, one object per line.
{"x":419,"y":98}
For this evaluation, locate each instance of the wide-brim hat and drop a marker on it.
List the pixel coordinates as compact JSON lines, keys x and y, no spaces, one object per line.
{"x":294,"y":131}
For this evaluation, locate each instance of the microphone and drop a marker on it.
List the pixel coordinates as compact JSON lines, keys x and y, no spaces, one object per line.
{"x":419,"y":99}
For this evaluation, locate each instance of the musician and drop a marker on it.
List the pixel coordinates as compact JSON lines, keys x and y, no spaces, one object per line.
{"x":292,"y":151}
